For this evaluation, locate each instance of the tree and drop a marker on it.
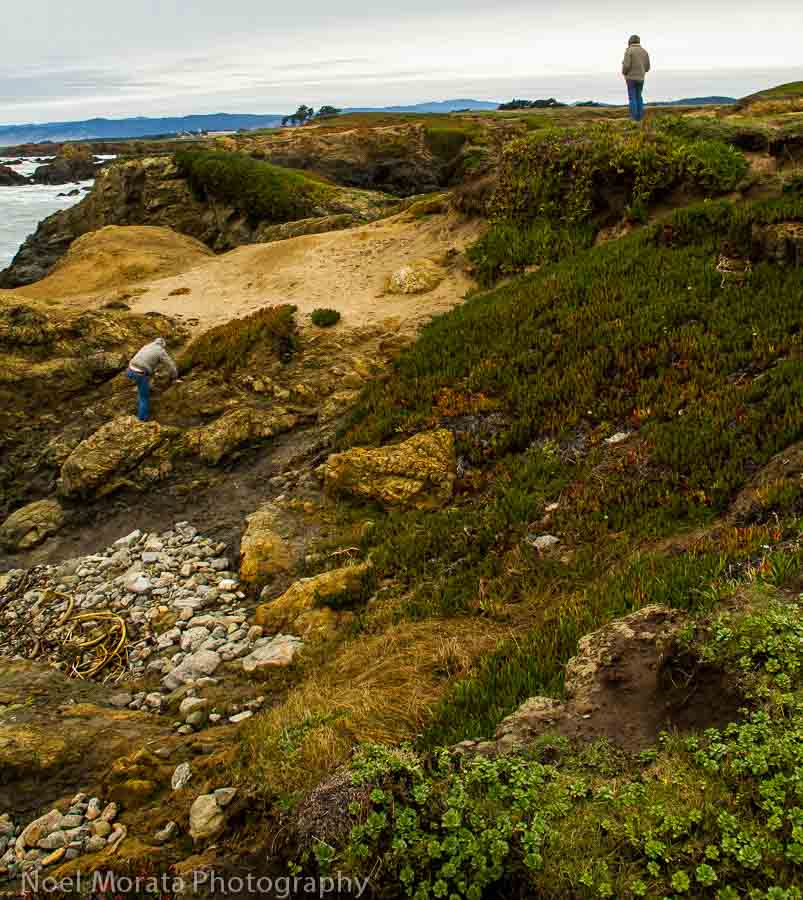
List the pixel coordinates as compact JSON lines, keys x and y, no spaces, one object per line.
{"x":303,"y":114}
{"x":327,"y":111}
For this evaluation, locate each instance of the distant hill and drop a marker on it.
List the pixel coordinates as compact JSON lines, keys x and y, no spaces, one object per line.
{"x":792,"y":90}
{"x":141,"y":126}
{"x":695,"y":101}
{"x":434,"y":106}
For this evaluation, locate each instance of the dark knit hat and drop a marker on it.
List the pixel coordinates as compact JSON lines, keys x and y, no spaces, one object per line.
{"x":634,"y":39}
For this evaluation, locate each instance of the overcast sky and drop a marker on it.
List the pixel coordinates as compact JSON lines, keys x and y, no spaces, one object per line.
{"x":74,"y":59}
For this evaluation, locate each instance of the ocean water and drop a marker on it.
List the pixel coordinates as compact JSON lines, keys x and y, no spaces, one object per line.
{"x":22,"y":208}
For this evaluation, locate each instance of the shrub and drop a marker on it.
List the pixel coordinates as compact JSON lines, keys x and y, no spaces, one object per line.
{"x":324,"y":318}
{"x":262,"y":191}
{"x":227,"y":347}
{"x":573,"y":175}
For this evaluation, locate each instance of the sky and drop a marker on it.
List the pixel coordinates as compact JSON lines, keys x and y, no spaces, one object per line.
{"x":78,"y":59}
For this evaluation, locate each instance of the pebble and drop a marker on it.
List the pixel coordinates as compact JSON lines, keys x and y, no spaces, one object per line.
{"x":241,"y":717}
{"x":167,"y":833}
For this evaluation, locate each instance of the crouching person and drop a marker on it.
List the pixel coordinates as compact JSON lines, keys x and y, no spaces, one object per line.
{"x":142,"y":366}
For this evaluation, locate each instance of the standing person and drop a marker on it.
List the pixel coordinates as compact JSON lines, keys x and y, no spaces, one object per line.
{"x":635,"y":66}
{"x":143,"y":364}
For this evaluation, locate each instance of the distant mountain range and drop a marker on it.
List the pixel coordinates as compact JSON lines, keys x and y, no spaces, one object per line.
{"x":141,"y":126}
{"x":144,"y":126}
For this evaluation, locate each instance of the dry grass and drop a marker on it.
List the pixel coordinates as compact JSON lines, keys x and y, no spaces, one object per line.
{"x":378,"y":688}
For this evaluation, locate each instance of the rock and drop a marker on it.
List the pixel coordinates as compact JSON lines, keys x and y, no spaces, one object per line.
{"x":10,"y":178}
{"x":263,"y":553}
{"x":95,"y":844}
{"x":69,"y":822}
{"x":129,"y":540}
{"x":192,"y":638}
{"x":192,"y":704}
{"x":109,"y":813}
{"x":98,"y":464}
{"x":54,"y":857}
{"x":36,"y":830}
{"x":66,"y":170}
{"x":545,"y":542}
{"x":224,"y":796}
{"x":618,"y":437}
{"x":101,"y":828}
{"x":54,"y":840}
{"x":207,"y":819}
{"x":240,"y":717}
{"x":306,"y":594}
{"x":419,"y":472}
{"x":166,"y":834}
{"x":94,"y":809}
{"x":192,"y":667}
{"x":236,"y":428}
{"x":417,"y":277}
{"x":181,"y":776}
{"x":31,"y":524}
{"x":121,"y":700}
{"x":278,"y":653}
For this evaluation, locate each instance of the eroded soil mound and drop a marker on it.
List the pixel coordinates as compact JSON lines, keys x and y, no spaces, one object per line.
{"x":116,"y":256}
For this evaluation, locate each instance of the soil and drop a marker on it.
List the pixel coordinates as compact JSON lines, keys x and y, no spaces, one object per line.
{"x":345,"y":270}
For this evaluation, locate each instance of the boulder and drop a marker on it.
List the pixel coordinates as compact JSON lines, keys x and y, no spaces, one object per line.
{"x":10,"y":178}
{"x":419,"y":472}
{"x":97,"y":465}
{"x":31,"y":524}
{"x":207,"y":819}
{"x":417,"y":277}
{"x":191,"y":668}
{"x":64,"y":170}
{"x":235,"y":429}
{"x":306,"y":594}
{"x":277,"y":653}
{"x":263,"y":552}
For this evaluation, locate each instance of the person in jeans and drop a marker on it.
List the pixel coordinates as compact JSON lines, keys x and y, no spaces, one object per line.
{"x":635,"y":66}
{"x":143,"y":364}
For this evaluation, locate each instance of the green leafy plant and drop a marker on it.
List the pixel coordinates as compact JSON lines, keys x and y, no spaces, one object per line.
{"x":324,"y":318}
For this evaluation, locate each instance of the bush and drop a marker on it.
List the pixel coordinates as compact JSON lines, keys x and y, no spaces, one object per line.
{"x":575,"y":175}
{"x":324,"y":318}
{"x":228,"y":347}
{"x":262,"y":191}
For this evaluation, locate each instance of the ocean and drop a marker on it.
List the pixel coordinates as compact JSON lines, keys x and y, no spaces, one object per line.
{"x":22,"y":208}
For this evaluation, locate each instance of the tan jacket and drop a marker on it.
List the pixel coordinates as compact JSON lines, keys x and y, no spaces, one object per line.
{"x":636,"y":63}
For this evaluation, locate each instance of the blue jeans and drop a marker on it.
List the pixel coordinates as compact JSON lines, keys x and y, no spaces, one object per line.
{"x":143,"y":383}
{"x":634,"y":96}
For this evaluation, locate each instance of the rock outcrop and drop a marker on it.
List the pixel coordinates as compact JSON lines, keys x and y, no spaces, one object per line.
{"x":297,"y":606}
{"x":264,"y":553}
{"x":65,"y":170}
{"x":11,"y":178}
{"x":151,"y":191}
{"x":235,"y":429}
{"x":31,"y":524}
{"x":99,"y":464}
{"x":419,"y":472}
{"x":395,"y":158}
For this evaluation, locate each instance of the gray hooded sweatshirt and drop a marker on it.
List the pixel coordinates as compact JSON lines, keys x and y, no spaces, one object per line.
{"x":636,"y":63}
{"x":151,"y":356}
